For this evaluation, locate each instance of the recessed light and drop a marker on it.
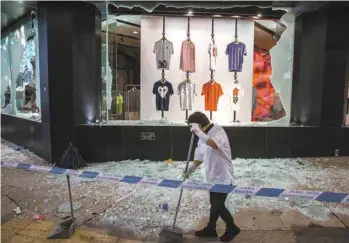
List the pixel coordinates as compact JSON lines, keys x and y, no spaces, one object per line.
{"x":135,"y":32}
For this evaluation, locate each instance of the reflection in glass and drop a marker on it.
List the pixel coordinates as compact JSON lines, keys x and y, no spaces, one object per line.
{"x":266,"y":101}
{"x":19,"y":80}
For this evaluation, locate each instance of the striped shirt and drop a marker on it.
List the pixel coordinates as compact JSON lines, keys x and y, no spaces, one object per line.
{"x":186,"y":92}
{"x":236,"y":52}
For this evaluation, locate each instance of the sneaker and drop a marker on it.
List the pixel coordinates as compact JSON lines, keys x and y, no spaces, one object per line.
{"x":230,"y":234}
{"x":206,"y":232}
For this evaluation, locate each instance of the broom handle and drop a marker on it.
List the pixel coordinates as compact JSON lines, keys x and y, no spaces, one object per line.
{"x":70,"y":199}
{"x":185,"y":171}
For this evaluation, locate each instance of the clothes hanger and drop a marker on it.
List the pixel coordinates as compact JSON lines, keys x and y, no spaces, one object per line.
{"x":163,"y":80}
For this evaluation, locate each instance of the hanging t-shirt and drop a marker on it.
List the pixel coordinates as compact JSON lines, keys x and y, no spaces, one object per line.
{"x":163,"y":50}
{"x":212,"y":51}
{"x":133,"y":102}
{"x":212,"y":91}
{"x":236,"y":52}
{"x":162,"y":91}
{"x":187,"y":60}
{"x":235,"y":94}
{"x":186,"y":92}
{"x":119,"y":104}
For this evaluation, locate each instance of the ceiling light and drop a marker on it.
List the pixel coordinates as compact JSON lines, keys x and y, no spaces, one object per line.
{"x":236,"y":16}
{"x":135,"y":32}
{"x":255,"y":17}
{"x":190,"y":12}
{"x":259,"y":15}
{"x":217,"y":15}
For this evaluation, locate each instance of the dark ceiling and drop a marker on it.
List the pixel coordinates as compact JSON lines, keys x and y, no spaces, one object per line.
{"x":12,"y":11}
{"x":202,"y":8}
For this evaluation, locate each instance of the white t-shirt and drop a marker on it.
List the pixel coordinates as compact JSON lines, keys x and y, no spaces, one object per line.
{"x":236,"y":93}
{"x":217,"y":163}
{"x":212,"y":51}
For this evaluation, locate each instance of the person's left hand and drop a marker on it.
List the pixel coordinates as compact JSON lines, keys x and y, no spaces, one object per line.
{"x":195,"y":128}
{"x":185,"y":176}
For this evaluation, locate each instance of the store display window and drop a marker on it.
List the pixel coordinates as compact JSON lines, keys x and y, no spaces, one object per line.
{"x":159,"y":66}
{"x":20,"y":79}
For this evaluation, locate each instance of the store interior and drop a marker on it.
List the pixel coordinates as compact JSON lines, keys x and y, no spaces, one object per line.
{"x":258,"y":94}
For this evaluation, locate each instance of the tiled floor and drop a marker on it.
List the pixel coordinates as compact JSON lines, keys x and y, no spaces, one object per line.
{"x":25,"y":231}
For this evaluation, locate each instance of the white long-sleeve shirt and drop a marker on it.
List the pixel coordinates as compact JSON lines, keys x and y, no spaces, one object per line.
{"x":217,"y":163}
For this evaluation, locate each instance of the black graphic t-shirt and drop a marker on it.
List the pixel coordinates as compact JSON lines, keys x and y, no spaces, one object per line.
{"x":162,"y":91}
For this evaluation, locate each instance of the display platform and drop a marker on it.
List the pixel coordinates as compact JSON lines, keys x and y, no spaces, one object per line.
{"x":98,"y":143}
{"x":26,"y":133}
{"x":145,"y":140}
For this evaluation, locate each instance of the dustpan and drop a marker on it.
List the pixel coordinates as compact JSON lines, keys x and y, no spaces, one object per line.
{"x":65,"y":229}
{"x":172,"y":234}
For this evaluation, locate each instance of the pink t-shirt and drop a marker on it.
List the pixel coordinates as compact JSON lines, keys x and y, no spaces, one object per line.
{"x":187,"y":61}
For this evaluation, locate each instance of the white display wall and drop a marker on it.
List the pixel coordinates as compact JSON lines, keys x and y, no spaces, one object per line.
{"x":200,"y":34}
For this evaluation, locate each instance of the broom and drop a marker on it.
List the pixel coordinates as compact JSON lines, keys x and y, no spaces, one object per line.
{"x":170,"y":234}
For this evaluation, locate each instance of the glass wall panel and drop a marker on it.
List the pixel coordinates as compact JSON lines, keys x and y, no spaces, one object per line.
{"x":20,"y":79}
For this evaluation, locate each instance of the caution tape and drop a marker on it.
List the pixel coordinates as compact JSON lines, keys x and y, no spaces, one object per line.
{"x":178,"y":184}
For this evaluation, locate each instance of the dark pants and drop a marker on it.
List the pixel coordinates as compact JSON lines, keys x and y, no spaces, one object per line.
{"x":218,"y":209}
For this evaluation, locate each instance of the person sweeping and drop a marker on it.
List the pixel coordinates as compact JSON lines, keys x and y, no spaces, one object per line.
{"x":213,"y":151}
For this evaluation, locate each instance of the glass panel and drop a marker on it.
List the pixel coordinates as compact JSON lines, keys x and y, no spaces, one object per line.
{"x":20,"y":72}
{"x":6,"y":97}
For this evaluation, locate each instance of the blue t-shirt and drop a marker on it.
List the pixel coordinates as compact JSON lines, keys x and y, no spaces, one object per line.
{"x":162,"y":91}
{"x":236,"y":52}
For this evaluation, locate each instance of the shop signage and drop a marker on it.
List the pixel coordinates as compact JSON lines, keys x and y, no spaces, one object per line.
{"x":147,"y":136}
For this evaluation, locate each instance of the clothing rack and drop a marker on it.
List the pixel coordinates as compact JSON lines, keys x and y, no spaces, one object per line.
{"x":188,"y":74}
{"x":213,"y":41}
{"x":162,"y":80}
{"x":163,"y":28}
{"x":235,"y":73}
{"x":134,"y":86}
{"x":236,"y":39}
{"x":163,"y":71}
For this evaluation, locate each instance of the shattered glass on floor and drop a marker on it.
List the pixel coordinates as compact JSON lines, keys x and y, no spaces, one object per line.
{"x":136,"y":207}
